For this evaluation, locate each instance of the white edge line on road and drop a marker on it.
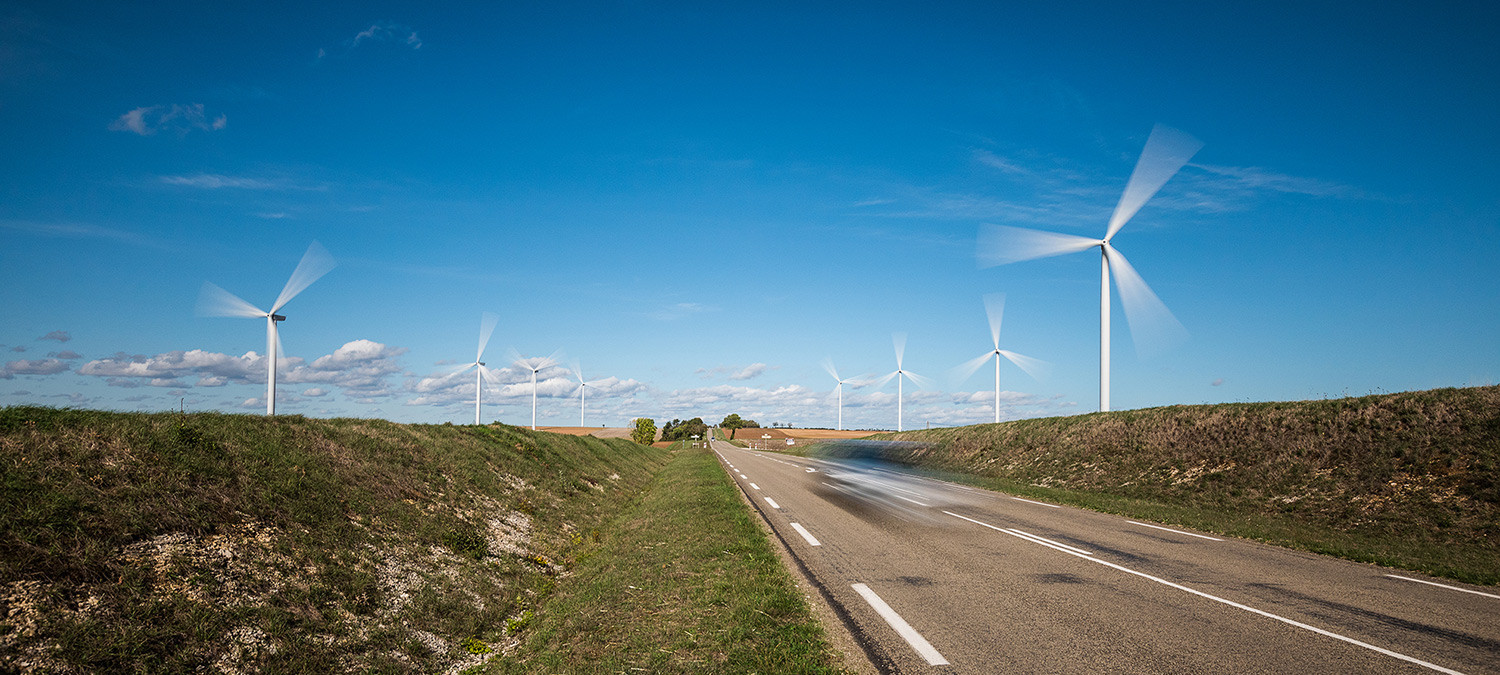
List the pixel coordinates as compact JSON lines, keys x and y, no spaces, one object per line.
{"x":902,"y":628}
{"x":1452,"y":588}
{"x":1025,"y":535}
{"x":1252,"y":610}
{"x":806,"y":535}
{"x":1028,"y":501}
{"x":755,"y":486}
{"x":1168,"y":529}
{"x":772,"y":502}
{"x":1047,"y":542}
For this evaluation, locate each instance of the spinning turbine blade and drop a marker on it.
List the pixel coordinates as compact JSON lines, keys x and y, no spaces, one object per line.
{"x":883,"y":379}
{"x":994,"y":308}
{"x":280,"y":350}
{"x":215,"y":301}
{"x":1166,"y":151}
{"x":827,"y":364}
{"x":920,"y":380}
{"x":1003,"y":244}
{"x":1152,"y":326}
{"x":315,"y":263}
{"x":899,"y":341}
{"x":966,"y":369}
{"x":487,"y":323}
{"x":1036,"y":368}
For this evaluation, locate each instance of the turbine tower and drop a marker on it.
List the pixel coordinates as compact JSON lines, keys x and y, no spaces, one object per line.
{"x":1167,"y":151}
{"x":899,"y":341}
{"x":215,"y":301}
{"x":994,"y":308}
{"x":534,"y":364}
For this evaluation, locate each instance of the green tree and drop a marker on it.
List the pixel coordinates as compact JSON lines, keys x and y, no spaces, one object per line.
{"x":678,"y":430}
{"x":645,"y":431}
{"x":734,"y":422}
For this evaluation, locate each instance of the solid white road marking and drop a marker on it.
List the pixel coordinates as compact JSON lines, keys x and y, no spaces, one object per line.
{"x":1236,"y":605}
{"x":1168,"y":529}
{"x":806,"y":535}
{"x":1028,"y":501}
{"x":902,"y":628}
{"x":1453,"y":588}
{"x":773,"y":503}
{"x":755,"y":486}
{"x":1047,"y":542}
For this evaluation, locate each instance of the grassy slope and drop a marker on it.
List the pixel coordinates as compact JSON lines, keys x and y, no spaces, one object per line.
{"x":1408,"y":480}
{"x":168,"y":543}
{"x":686,"y":581}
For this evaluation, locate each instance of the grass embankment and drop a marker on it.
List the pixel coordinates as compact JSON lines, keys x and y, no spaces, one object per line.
{"x":685,"y":581}
{"x":1408,"y":480}
{"x":178,"y":543}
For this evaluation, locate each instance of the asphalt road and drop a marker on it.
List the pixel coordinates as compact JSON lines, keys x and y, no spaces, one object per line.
{"x":933,"y":577}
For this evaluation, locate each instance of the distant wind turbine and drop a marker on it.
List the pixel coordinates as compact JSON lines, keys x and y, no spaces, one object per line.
{"x":1166,"y":151}
{"x":487,"y":322}
{"x":583,"y":386}
{"x":994,"y":308}
{"x":535,"y":364}
{"x":828,"y":366}
{"x":215,"y":301}
{"x":899,"y":341}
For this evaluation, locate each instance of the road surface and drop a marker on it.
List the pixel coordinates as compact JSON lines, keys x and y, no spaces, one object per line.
{"x":933,"y":577}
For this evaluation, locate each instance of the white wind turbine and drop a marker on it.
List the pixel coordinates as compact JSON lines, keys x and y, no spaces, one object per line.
{"x":828,"y":366}
{"x":1166,"y":151}
{"x":899,"y":341}
{"x":215,"y":301}
{"x":583,"y":386}
{"x":994,"y":308}
{"x":487,"y":322}
{"x":534,"y":364}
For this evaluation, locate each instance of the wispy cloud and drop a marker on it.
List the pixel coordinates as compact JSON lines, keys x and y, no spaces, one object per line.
{"x":736,"y":373}
{"x":385,"y":32}
{"x":59,"y":335}
{"x":680,"y":310}
{"x":78,"y":231}
{"x":1252,"y":178}
{"x":149,"y":120}
{"x":214,"y":181}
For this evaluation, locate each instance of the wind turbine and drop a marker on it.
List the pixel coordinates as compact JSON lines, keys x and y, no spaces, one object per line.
{"x":534,"y":364}
{"x":1166,"y":151}
{"x":583,"y":386}
{"x":828,"y":366}
{"x":215,"y":301}
{"x":487,"y":322}
{"x":994,"y":308}
{"x":899,"y":341}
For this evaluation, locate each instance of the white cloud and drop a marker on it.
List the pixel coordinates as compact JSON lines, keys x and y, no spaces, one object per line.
{"x":736,"y":373}
{"x":148,"y":120}
{"x":33,"y":367}
{"x":315,"y":392}
{"x":386,"y":32}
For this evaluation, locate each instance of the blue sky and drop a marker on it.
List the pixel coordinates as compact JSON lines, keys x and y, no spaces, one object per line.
{"x":700,"y":202}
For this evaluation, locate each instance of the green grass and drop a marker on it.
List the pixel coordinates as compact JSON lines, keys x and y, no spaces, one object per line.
{"x":167,"y":543}
{"x":685,"y":581}
{"x":1408,"y":480}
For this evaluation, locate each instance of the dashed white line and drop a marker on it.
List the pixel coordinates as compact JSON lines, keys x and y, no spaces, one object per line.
{"x":1168,"y":529}
{"x":902,"y":628}
{"x":806,"y":535}
{"x":1451,"y":588}
{"x":755,"y":486}
{"x":911,"y":500}
{"x":1236,"y":605}
{"x":772,"y":502}
{"x":1028,"y":501}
